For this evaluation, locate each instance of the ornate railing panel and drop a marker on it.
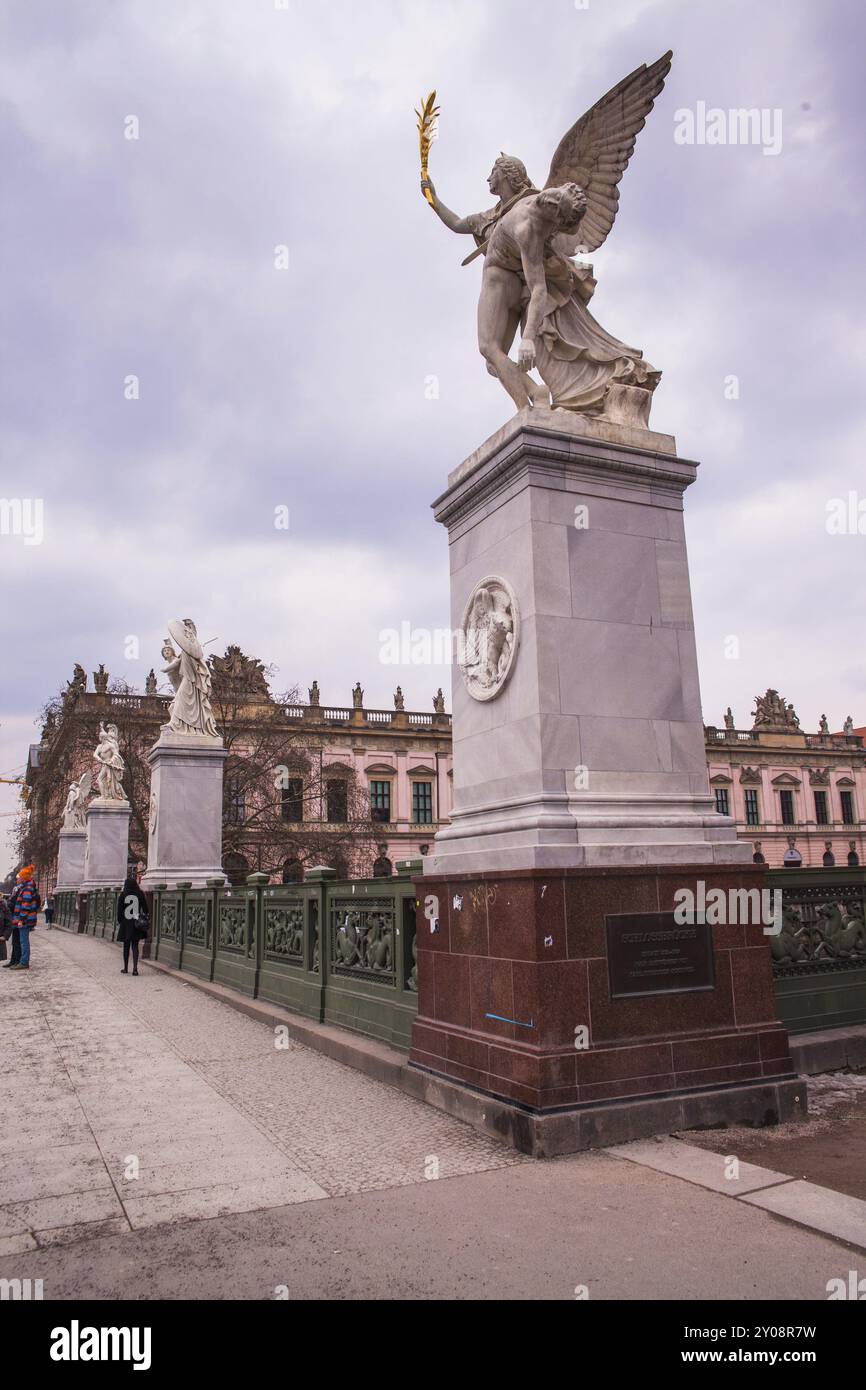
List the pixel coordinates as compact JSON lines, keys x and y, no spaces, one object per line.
{"x":232,"y":926}
{"x":195,"y":927}
{"x":170,"y":921}
{"x":819,"y":956}
{"x":823,"y":922}
{"x":362,"y":938}
{"x":284,"y":931}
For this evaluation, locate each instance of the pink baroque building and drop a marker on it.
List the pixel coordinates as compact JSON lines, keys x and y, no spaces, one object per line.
{"x":799,"y":798}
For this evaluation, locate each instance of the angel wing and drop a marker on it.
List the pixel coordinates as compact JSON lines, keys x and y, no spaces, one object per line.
{"x":85,"y":782}
{"x":596,"y":151}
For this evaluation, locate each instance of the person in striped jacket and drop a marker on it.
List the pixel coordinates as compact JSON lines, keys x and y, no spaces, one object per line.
{"x":27,"y":904}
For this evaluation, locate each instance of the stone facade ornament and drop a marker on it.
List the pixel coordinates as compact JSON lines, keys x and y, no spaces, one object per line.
{"x":819,"y":776}
{"x":848,"y":726}
{"x":729,"y":718}
{"x":771,"y":712}
{"x":824,"y":726}
{"x":111,"y":764}
{"x":150,"y":682}
{"x":190,"y":711}
{"x":100,"y":680}
{"x":315,"y":698}
{"x":78,"y":685}
{"x":358,"y":696}
{"x":489,"y":636}
{"x":439,"y":702}
{"x":75,"y":810}
{"x":382,"y":866}
{"x":239,"y":670}
{"x":398,"y":698}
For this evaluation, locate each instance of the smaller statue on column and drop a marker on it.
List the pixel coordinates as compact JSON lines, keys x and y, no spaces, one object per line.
{"x":111,"y":764}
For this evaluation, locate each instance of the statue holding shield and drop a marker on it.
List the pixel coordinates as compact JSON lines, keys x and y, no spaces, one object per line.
{"x":190,"y":711}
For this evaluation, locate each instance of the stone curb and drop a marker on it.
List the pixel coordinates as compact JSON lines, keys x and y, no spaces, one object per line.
{"x":822,"y":1209}
{"x":540,"y":1136}
{"x":834,"y":1049}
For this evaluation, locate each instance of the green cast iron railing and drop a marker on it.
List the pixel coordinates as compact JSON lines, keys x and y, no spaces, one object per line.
{"x":819,"y":957}
{"x":337,"y":951}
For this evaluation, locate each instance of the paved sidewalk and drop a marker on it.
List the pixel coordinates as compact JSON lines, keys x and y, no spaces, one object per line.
{"x":156,"y":1143}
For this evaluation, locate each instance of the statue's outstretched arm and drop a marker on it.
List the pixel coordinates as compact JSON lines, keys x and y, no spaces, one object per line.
{"x":451,"y":220}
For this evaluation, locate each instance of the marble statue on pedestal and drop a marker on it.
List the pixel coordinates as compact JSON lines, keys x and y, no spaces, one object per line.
{"x":75,"y":809}
{"x":111,"y":764}
{"x":190,"y":711}
{"x":530,"y":279}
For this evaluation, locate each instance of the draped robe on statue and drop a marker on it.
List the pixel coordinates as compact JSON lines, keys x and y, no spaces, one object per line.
{"x":190,"y":709}
{"x":577,"y":359}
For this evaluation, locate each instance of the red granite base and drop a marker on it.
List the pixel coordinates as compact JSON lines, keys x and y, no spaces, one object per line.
{"x":521,"y":964}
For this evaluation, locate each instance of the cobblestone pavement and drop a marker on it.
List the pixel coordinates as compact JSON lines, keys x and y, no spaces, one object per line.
{"x":132,"y":1101}
{"x":262,"y":1170}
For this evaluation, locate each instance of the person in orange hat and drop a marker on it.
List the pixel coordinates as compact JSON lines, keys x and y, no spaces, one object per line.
{"x":15,"y":955}
{"x":26,"y":905}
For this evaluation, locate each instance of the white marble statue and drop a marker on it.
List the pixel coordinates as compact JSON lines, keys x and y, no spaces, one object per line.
{"x":190,"y":711}
{"x":111,"y":764}
{"x":529,"y":279}
{"x":74,"y":811}
{"x":489,"y":638}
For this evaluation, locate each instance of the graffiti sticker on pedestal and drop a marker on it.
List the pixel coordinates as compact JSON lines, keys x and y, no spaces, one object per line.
{"x":488,"y":638}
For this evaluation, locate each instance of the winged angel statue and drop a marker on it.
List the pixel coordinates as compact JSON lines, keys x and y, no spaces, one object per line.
{"x":76,"y":803}
{"x":530,"y":279}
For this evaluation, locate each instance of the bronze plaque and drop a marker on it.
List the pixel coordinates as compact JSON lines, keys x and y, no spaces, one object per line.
{"x":651,"y":953}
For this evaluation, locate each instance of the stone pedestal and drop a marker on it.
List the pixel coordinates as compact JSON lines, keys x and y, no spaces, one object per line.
{"x":556,"y":991}
{"x":592,"y":752}
{"x":516,"y":1001}
{"x":107,"y":850}
{"x":186,"y":810}
{"x":71,"y":848}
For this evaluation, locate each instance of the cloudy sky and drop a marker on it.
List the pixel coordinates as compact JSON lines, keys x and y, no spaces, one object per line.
{"x":262,"y":125}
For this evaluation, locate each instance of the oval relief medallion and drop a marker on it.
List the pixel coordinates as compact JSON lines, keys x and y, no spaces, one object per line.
{"x":489,"y":637}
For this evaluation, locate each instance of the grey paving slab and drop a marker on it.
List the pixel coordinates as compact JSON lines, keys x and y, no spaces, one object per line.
{"x":107,"y":1068}
{"x":537,"y":1231}
{"x":701,"y":1166}
{"x":832,"y":1213}
{"x":16,"y":1245}
{"x":259,"y":1167}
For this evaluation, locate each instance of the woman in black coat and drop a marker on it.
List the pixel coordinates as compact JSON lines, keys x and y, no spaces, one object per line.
{"x":131,"y":922}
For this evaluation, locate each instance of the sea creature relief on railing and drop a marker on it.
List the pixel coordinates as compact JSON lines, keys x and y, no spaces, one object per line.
{"x":824,"y":935}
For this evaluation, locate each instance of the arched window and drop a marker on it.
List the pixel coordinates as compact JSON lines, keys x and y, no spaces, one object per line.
{"x":236,"y":868}
{"x":293,"y":871}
